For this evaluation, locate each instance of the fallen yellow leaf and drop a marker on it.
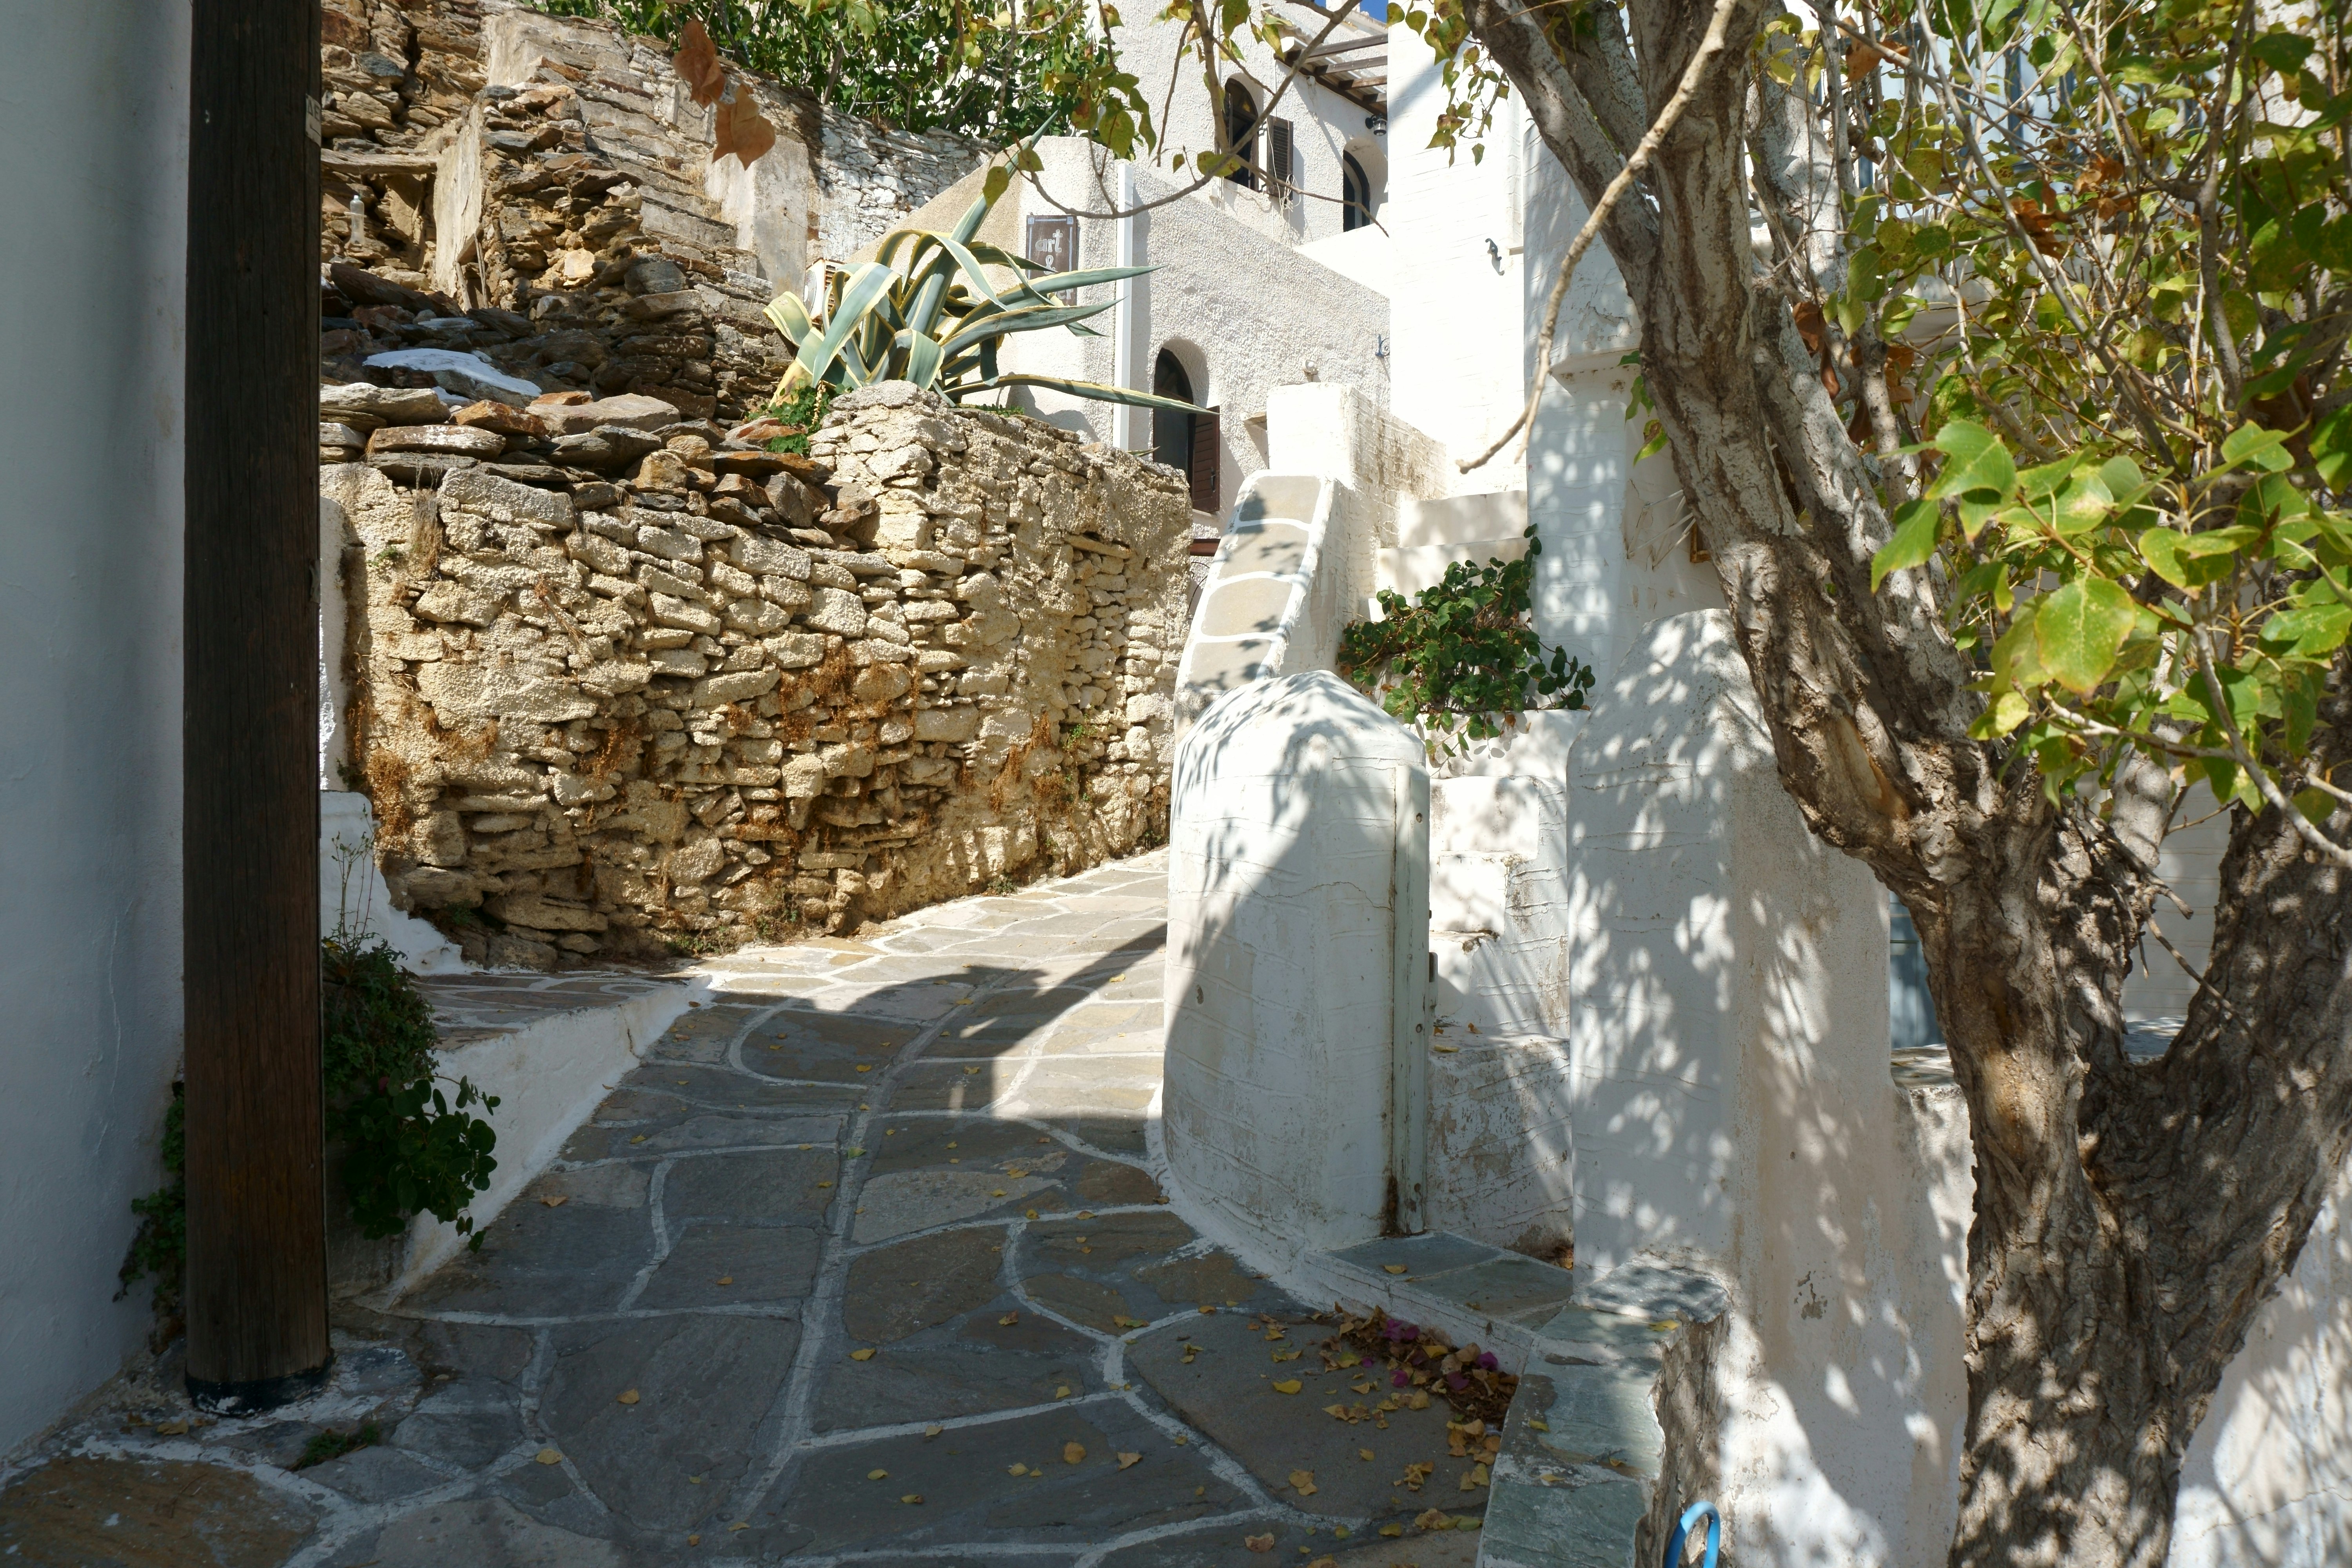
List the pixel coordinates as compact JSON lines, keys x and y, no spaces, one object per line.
{"x":1363,"y":1453}
{"x":912,"y":1497}
{"x":1325,"y":1563}
{"x":1303,"y":1482}
{"x":877,"y":1475}
{"x":933,"y":1430}
{"x":1258,"y":1542}
{"x":1073,"y":1453}
{"x":548,"y":1457}
{"x":1434,"y":1519}
{"x":727,"y":1280}
{"x":1061,"y":1391}
{"x":738,"y":1524}
{"x":172,"y":1429}
{"x":866,"y":1354}
{"x":638,"y":1139}
{"x":696,"y":1539}
{"x":1128,"y":1461}
{"x":1392,"y":1530}
{"x":997,"y":1194}
{"x":968,"y":1072}
{"x":1394,"y":1268}
{"x":1017,"y":1470}
{"x":628,"y":1397}
{"x":1007,"y":1321}
{"x":1288,"y":1385}
{"x":1030,"y":1213}
{"x":556,"y":1200}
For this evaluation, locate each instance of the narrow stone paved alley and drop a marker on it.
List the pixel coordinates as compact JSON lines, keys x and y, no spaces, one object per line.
{"x":864,"y":1262}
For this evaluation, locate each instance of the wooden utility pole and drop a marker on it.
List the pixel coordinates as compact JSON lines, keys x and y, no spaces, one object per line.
{"x":255,"y":1293}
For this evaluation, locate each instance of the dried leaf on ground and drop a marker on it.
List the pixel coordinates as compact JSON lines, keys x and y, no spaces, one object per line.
{"x":866,"y":1354}
{"x":629,"y":1396}
{"x":1303,"y":1482}
{"x":877,"y":1475}
{"x":1434,"y":1519}
{"x":556,"y":1200}
{"x":548,"y":1457}
{"x":1007,"y":1321}
{"x":1073,"y":1453}
{"x":1126,"y":1461}
{"x":1258,"y":1542}
{"x":1288,"y":1385}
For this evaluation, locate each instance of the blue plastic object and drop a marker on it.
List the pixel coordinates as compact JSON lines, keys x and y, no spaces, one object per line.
{"x":1691,"y":1516}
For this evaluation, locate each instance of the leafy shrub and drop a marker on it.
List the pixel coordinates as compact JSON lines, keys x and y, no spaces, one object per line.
{"x":409,"y":1147}
{"x":1460,"y":659}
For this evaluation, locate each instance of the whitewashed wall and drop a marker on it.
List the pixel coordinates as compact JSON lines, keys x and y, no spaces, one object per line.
{"x":1297,"y":918}
{"x":1736,"y":1114}
{"x":93,"y":177}
{"x":1457,"y":307}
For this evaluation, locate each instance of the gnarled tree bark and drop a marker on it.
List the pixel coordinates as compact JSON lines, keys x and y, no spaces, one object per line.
{"x":2130,"y":1218}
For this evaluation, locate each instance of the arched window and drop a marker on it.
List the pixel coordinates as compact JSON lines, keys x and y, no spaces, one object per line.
{"x":1241,"y":131}
{"x":1355,"y":193}
{"x":1187,"y":442}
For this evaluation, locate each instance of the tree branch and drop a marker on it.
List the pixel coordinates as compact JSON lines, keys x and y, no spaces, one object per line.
{"x":1693,"y":74}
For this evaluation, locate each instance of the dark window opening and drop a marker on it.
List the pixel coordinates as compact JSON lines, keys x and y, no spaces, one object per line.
{"x":1190,"y":443}
{"x":1241,"y":131}
{"x":1355,"y":193}
{"x":1281,"y":179}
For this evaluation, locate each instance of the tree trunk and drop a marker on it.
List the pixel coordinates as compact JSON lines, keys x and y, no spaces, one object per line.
{"x":2130,"y":1219}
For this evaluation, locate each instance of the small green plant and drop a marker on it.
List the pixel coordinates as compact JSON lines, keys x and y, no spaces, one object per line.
{"x":1003,"y":887}
{"x":1077,"y":732}
{"x":159,"y":1249}
{"x":410,"y":1146}
{"x":1460,"y":659}
{"x":802,"y":411}
{"x":333,"y":1445}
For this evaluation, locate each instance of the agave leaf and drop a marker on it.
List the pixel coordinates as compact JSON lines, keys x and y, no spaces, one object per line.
{"x":924,"y":315}
{"x":790,"y":317}
{"x":1056,"y":282}
{"x":923,"y":361}
{"x":998,"y":256}
{"x":1092,"y":389}
{"x":870,"y":282}
{"x":1025,"y":319}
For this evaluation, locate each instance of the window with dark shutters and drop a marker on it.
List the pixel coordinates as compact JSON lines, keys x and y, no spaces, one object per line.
{"x":1279,"y":175}
{"x":1206,"y":448}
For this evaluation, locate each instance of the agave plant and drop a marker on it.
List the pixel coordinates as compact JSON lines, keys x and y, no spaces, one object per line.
{"x":924,"y":311}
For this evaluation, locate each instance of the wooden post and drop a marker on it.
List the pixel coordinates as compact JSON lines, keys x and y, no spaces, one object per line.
{"x":255,"y":1293}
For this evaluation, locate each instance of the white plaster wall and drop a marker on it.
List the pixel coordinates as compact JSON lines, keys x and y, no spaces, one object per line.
{"x":1604,"y":574}
{"x":1297,"y":879}
{"x":1458,"y":311}
{"x":1736,"y":1113}
{"x":93,"y":177}
{"x":1499,"y":905}
{"x":2190,"y":861}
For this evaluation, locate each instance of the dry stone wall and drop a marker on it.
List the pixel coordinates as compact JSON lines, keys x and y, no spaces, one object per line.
{"x":632,"y":685}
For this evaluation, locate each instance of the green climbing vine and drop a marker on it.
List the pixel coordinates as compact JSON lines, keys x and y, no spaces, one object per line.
{"x":1460,"y":659}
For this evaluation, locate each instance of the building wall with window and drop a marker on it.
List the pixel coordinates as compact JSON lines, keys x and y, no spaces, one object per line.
{"x":1323,"y":127}
{"x":1239,"y":312}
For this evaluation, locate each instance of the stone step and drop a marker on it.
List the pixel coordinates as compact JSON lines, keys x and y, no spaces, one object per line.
{"x":1584,"y":1457}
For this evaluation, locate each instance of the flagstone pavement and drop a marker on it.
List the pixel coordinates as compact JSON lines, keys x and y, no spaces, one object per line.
{"x":867,"y":1262}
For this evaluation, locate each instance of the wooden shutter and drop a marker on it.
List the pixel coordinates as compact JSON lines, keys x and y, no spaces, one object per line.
{"x":1206,"y":447}
{"x":1277,"y":158}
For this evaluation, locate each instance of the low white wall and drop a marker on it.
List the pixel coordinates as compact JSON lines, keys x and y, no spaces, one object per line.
{"x":93,"y":177}
{"x":548,"y":1078}
{"x":1298,"y":921}
{"x":1734,"y":1110}
{"x":1499,"y":904}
